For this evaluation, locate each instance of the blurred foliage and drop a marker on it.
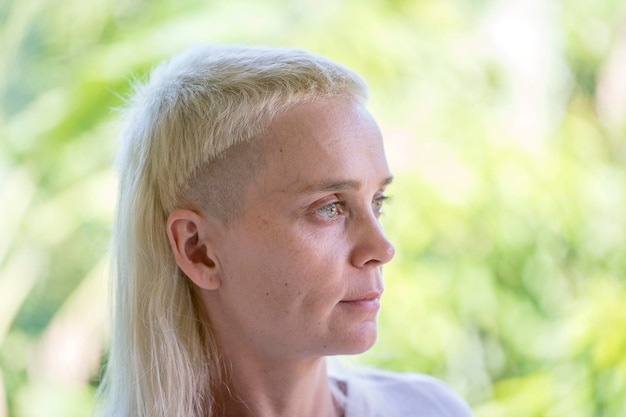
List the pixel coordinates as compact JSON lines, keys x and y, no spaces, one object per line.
{"x":505,"y":124}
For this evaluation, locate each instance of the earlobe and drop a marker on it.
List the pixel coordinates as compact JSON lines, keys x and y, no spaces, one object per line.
{"x":190,"y":239}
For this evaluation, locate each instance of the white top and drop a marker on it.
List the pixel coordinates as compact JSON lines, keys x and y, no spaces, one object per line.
{"x":377,"y":393}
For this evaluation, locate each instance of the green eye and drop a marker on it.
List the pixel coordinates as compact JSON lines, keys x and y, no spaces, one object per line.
{"x":330,"y":211}
{"x":377,"y":205}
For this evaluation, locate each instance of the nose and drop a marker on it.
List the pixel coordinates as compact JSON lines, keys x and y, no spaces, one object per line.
{"x":371,"y":246}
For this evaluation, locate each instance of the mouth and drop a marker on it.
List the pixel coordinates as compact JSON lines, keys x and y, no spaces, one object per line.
{"x":368,"y":301}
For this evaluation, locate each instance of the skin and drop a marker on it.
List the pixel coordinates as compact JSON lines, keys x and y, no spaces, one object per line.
{"x":298,"y":275}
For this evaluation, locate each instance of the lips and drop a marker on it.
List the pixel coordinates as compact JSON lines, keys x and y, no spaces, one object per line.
{"x":369,"y":296}
{"x":369,"y":301}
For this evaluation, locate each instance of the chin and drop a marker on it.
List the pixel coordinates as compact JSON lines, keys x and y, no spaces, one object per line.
{"x":358,"y":340}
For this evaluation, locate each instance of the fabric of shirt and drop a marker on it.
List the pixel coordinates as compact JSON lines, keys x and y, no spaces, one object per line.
{"x":377,"y":393}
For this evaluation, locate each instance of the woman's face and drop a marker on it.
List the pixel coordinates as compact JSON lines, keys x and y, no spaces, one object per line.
{"x":301,"y":268}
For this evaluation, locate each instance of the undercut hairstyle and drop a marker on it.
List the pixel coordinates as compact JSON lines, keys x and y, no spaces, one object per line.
{"x":190,"y":139}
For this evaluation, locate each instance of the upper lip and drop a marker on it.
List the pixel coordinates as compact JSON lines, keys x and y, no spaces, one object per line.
{"x":371,"y":295}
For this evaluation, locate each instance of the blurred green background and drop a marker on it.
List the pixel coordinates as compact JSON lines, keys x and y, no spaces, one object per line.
{"x":505,"y":124}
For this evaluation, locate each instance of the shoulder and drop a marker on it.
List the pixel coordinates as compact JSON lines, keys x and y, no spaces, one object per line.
{"x":406,"y":394}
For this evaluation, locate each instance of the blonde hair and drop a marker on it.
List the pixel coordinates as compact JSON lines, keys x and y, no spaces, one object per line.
{"x":163,"y":360}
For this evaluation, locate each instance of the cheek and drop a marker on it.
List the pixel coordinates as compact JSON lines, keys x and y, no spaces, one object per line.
{"x":286,"y":264}
{"x":290,"y":289}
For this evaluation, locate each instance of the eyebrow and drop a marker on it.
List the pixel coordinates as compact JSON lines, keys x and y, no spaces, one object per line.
{"x":341,"y":185}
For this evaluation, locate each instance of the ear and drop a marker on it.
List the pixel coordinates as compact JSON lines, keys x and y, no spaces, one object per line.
{"x":189,"y":236}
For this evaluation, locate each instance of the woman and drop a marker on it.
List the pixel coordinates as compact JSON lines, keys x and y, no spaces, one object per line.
{"x":247,"y":244}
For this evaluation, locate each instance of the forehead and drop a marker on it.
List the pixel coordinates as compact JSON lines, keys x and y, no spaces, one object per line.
{"x":327,"y":140}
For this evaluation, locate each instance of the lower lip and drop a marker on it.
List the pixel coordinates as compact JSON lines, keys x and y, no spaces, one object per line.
{"x":370,"y":304}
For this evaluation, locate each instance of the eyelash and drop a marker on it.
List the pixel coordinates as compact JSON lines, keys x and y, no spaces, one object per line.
{"x":380,"y":202}
{"x":338,"y":207}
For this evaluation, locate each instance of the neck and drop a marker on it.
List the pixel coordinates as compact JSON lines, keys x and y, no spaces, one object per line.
{"x":283,"y":389}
